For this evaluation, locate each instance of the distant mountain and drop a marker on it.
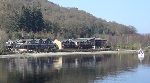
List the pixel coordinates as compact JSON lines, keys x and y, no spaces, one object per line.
{"x":71,"y":21}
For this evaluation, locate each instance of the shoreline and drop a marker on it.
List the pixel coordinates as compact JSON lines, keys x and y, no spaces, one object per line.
{"x":58,"y":54}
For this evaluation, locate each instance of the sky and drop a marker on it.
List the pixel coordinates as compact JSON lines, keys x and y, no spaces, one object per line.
{"x":128,"y":12}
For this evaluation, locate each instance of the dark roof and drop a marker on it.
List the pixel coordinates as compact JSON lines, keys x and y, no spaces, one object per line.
{"x":81,"y":39}
{"x":33,"y":39}
{"x":88,"y":39}
{"x":71,"y":40}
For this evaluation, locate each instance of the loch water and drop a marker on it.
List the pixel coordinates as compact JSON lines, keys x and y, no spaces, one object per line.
{"x":108,"y":68}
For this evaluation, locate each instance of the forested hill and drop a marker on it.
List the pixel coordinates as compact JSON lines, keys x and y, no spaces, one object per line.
{"x":44,"y":16}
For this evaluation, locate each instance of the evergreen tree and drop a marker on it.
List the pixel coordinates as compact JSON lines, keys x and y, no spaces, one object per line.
{"x":32,"y":20}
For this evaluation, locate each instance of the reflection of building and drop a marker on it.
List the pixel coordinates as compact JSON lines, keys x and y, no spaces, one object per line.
{"x":58,"y":63}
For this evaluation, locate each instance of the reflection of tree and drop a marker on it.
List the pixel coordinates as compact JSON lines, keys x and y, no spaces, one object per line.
{"x":146,"y":59}
{"x":41,"y":70}
{"x":3,"y":73}
{"x":116,"y":64}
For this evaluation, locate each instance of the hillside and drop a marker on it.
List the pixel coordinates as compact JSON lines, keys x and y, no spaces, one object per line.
{"x":83,"y":22}
{"x":70,"y":22}
{"x":43,"y":19}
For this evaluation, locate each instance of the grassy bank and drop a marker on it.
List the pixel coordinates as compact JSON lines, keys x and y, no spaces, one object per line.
{"x":59,"y":54}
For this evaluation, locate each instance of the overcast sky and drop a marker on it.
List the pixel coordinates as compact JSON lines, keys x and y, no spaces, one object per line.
{"x":128,"y":12}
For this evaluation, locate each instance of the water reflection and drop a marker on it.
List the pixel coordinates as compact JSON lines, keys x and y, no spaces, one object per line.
{"x":67,"y":69}
{"x":140,"y":59}
{"x":140,"y":55}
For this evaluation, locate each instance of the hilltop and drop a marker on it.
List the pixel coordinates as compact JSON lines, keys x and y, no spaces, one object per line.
{"x":61,"y":21}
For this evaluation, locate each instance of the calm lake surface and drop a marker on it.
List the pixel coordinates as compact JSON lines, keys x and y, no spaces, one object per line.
{"x":76,"y":69}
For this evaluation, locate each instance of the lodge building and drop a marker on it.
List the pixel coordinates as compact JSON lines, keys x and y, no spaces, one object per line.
{"x":48,"y":45}
{"x":84,"y":43}
{"x":36,"y":45}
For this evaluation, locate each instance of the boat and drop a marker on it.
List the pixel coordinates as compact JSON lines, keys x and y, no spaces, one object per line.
{"x":140,"y":53}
